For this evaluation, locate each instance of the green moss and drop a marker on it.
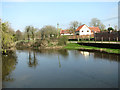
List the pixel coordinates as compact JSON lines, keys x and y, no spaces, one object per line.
{"x":77,"y":46}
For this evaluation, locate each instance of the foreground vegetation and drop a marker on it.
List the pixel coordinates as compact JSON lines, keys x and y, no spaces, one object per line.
{"x":82,"y":47}
{"x":49,"y":43}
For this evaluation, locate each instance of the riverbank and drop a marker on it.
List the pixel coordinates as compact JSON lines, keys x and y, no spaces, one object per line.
{"x":90,"y":48}
{"x":54,"y":45}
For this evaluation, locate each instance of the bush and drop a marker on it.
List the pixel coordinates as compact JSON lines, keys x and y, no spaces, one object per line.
{"x":62,"y":40}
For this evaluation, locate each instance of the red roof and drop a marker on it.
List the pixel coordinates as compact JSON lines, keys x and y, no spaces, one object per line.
{"x":64,"y":31}
{"x":79,"y":27}
{"x":95,"y":29}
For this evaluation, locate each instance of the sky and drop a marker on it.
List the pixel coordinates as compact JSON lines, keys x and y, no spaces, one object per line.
{"x":39,"y":14}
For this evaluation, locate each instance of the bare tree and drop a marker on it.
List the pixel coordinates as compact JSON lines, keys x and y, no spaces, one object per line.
{"x":38,"y":34}
{"x":30,"y":30}
{"x":80,"y":23}
{"x":97,"y":23}
{"x":18,"y":35}
{"x":115,"y":27}
{"x":71,"y":29}
{"x":74,"y":25}
{"x":33,"y":31}
{"x":48,"y":31}
{"x":102,"y":27}
{"x":27,"y":30}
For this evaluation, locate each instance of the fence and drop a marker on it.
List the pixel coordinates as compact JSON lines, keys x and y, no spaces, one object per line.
{"x":102,"y":36}
{"x":107,"y":36}
{"x":81,"y":36}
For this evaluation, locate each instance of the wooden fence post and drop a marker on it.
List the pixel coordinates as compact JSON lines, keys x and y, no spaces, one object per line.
{"x":117,"y":39}
{"x":102,"y":39}
{"x":78,"y":38}
{"x":109,"y":39}
{"x":95,"y":39}
{"x":89,"y":37}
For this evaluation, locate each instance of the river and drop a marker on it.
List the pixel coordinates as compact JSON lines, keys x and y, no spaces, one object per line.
{"x":59,"y":69}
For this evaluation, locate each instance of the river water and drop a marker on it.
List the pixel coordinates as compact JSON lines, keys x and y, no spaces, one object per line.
{"x":59,"y":69}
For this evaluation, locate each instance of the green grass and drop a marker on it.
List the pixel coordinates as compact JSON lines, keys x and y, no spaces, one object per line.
{"x":77,"y":46}
{"x":94,"y":41}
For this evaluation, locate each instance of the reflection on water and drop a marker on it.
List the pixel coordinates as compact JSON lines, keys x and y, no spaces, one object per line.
{"x":8,"y":65}
{"x":32,"y":60}
{"x":105,"y":56}
{"x":62,"y":52}
{"x":59,"y":68}
{"x":85,"y":53}
{"x":59,"y":62}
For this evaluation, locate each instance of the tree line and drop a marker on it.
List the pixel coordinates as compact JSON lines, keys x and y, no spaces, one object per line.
{"x":9,"y":36}
{"x":49,"y":31}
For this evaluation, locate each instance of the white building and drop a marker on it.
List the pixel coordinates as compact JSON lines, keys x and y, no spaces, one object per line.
{"x":85,"y":30}
{"x":66,"y":32}
{"x":82,"y":30}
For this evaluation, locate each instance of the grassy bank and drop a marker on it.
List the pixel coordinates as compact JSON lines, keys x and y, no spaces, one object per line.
{"x":77,"y":46}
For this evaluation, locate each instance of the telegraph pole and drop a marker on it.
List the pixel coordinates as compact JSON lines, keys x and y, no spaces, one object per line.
{"x":58,"y":29}
{"x":57,"y":26}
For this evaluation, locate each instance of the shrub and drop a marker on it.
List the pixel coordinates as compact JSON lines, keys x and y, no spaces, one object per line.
{"x":62,"y":40}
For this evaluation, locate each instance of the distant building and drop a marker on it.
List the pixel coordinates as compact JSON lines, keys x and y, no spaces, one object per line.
{"x":82,"y":31}
{"x":66,"y":32}
{"x":94,"y":30}
{"x":85,"y":30}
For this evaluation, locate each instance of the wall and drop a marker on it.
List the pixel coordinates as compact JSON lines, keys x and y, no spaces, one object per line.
{"x":84,"y":29}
